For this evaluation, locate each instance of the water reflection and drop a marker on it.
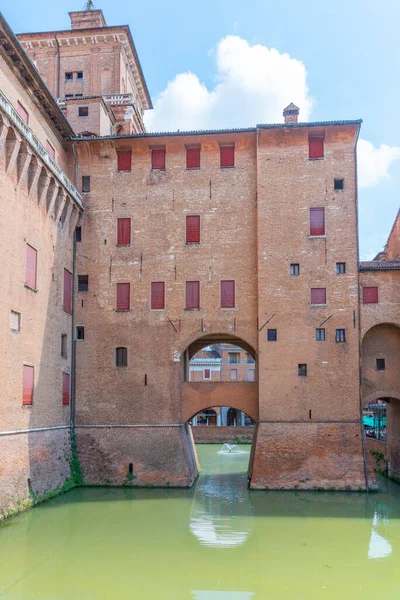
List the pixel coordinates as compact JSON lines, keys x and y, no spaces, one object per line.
{"x":379,"y":546}
{"x":213,"y":595}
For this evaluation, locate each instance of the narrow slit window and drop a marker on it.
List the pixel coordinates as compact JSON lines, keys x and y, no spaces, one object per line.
{"x":340,"y":335}
{"x":78,"y":234}
{"x":66,"y":389}
{"x":64,"y":346}
{"x":83,"y":283}
{"x":67,"y":297}
{"x":31,"y":267}
{"x":85,"y":184}
{"x":121,"y":357}
{"x":28,"y":381}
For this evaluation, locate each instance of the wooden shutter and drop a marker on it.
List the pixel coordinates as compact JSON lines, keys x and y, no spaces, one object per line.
{"x":124,"y":160}
{"x":23,"y":113}
{"x":207,"y":374}
{"x":124,"y":232}
{"x":370,"y":295}
{"x":158,"y":159}
{"x":318,"y":295}
{"x":193,"y":158}
{"x":123,"y":296}
{"x":227,"y":294}
{"x":31,"y":263}
{"x":157,"y":295}
{"x":227,"y":154}
{"x":67,"y":291}
{"x":66,"y":388}
{"x":192,"y":294}
{"x":316,"y":147}
{"x":27,"y":385}
{"x":193,"y":229}
{"x":317,"y":221}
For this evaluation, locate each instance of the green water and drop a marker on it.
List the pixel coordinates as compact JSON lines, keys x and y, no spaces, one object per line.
{"x":217,"y":541}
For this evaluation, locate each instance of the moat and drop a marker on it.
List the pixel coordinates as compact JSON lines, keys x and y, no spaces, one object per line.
{"x":216,"y":541}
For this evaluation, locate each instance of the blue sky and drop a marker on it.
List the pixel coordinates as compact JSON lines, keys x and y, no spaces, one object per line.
{"x":343,"y":64}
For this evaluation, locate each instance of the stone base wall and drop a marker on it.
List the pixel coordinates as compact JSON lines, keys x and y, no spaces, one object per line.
{"x":160,"y":456}
{"x":309,"y":456}
{"x":32,"y":466}
{"x":222,"y":435}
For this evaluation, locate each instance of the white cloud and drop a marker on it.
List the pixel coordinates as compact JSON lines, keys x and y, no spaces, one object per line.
{"x":374,"y":163}
{"x":254,"y":84}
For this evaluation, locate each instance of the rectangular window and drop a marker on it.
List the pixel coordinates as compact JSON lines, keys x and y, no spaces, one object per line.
{"x":317,"y":221}
{"x":320,"y":334}
{"x":31,"y":267}
{"x":318,"y":295}
{"x":250,"y":359}
{"x":316,"y":147}
{"x":193,"y":158}
{"x":123,"y":296}
{"x":302,"y":370}
{"x":68,"y":77}
{"x":78,"y":234}
{"x":272,"y":335}
{"x":251,"y":374}
{"x":193,"y":294}
{"x":193,"y":229}
{"x":50,"y":149}
{"x":79,"y":76}
{"x":234,"y":374}
{"x":80,"y":332}
{"x":158,"y":159}
{"x":340,"y":335}
{"x":121,"y":357}
{"x":234,"y":357}
{"x":15,"y":321}
{"x":83,"y":111}
{"x":85,"y":184}
{"x":206,"y":374}
{"x":228,"y":294}
{"x":67,"y":302}
{"x":380,"y":364}
{"x":295,"y":269}
{"x":64,"y":345}
{"x":338,"y":184}
{"x":83,"y":283}
{"x":340,"y":268}
{"x":157,"y":295}
{"x":370,"y":295}
{"x":23,"y":113}
{"x":123,"y":232}
{"x":124,"y":160}
{"x":66,"y":387}
{"x":227,"y":156}
{"x":27,"y":386}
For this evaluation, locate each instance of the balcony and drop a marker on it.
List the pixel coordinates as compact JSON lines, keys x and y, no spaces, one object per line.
{"x":119,"y":100}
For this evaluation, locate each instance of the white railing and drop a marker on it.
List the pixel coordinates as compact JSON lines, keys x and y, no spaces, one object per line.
{"x":19,"y":123}
{"x":119,"y":99}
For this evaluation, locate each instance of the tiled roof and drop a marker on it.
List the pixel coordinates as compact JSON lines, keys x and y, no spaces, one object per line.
{"x":207,"y":354}
{"x":380,"y":265}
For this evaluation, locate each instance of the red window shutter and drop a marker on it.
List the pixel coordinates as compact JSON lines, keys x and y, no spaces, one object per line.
{"x":316,"y":147}
{"x":157,"y":295}
{"x":370,"y":295}
{"x":227,"y":154}
{"x":317,"y":221}
{"x":227,"y":294}
{"x":50,"y":149}
{"x":23,"y":113}
{"x":207,"y":374}
{"x":318,"y":295}
{"x":193,"y":229}
{"x":67,"y":291}
{"x":193,"y":294}
{"x":158,"y":159}
{"x":193,"y":158}
{"x":66,"y":388}
{"x":124,"y":232}
{"x":123,"y":296}
{"x":27,"y":384}
{"x":31,"y":261}
{"x":124,"y":161}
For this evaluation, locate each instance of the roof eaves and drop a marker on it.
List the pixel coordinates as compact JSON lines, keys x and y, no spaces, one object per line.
{"x":175,"y":133}
{"x":311,"y":124}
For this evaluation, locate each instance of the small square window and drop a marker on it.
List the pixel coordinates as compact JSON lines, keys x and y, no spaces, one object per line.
{"x":78,"y":234}
{"x":272,"y":335}
{"x":83,"y":283}
{"x":340,"y":335}
{"x":380,"y":364}
{"x":68,"y":77}
{"x":121,"y":357}
{"x":338,"y":184}
{"x":302,"y":370}
{"x":295,"y":269}
{"x":15,"y":321}
{"x":79,"y":76}
{"x":80,"y":332}
{"x":85,"y":183}
{"x":340,"y":268}
{"x":64,"y":341}
{"x":83,"y":111}
{"x":320,"y":334}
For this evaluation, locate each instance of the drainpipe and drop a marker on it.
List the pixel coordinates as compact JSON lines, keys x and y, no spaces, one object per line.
{"x":73,"y":346}
{"x":58,"y":67}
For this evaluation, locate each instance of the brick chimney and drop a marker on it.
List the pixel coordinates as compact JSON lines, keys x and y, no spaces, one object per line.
{"x":291,"y":113}
{"x":87,"y":19}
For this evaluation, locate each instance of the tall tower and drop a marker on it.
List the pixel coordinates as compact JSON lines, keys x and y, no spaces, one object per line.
{"x":94,"y":73}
